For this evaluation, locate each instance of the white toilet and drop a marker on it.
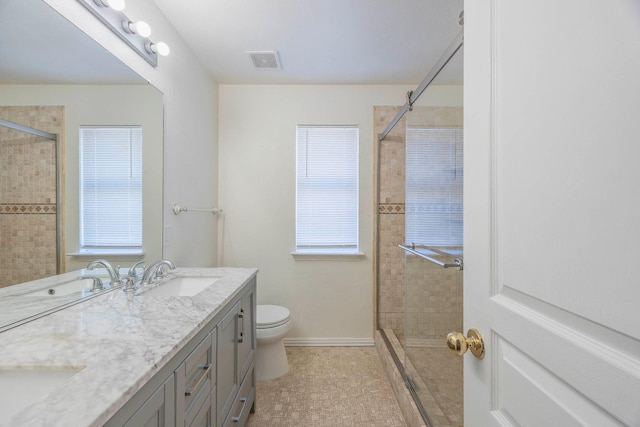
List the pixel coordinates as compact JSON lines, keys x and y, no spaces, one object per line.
{"x":272,"y":324}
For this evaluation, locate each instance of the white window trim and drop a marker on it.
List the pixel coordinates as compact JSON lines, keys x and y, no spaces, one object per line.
{"x":328,"y":256}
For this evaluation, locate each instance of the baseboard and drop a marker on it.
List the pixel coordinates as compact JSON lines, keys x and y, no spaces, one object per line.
{"x":329,"y":342}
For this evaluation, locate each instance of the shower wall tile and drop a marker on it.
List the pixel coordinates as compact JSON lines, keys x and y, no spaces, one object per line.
{"x":28,"y":249}
{"x":434,"y":301}
{"x":28,"y":211}
{"x":392,"y":171}
{"x":436,"y":116}
{"x":390,"y":275}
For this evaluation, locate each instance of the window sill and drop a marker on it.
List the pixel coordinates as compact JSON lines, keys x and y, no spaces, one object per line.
{"x":327,"y":256}
{"x":131,"y":254}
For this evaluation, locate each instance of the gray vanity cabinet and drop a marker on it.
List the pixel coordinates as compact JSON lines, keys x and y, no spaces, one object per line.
{"x":158,"y":410}
{"x":210,"y":381}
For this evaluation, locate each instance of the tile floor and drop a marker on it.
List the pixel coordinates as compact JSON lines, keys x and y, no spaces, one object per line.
{"x":328,"y":387}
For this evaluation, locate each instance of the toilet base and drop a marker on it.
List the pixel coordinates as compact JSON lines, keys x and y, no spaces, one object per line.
{"x":271,"y":360}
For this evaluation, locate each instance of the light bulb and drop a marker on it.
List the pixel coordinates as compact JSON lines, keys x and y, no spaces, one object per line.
{"x":163,"y":49}
{"x":116,"y":4}
{"x":142,"y":28}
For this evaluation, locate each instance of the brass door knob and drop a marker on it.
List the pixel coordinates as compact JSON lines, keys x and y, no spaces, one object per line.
{"x":457,"y":343}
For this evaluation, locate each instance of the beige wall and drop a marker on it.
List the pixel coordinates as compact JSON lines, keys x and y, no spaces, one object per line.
{"x":330,"y":301}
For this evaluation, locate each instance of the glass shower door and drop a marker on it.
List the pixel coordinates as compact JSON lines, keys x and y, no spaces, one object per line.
{"x":433,"y":309}
{"x":433,"y":260}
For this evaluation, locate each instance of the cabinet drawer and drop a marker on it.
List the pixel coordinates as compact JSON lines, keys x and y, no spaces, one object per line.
{"x":244,"y":400}
{"x":200,"y":358}
{"x":206,"y":416}
{"x":195,"y":378}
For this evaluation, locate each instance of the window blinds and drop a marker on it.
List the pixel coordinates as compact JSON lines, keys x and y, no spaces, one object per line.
{"x":434,"y":186}
{"x":327,"y":188}
{"x":110,"y":188}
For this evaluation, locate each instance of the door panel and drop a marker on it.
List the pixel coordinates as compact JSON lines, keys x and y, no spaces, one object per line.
{"x":572,"y":361}
{"x":532,"y":394}
{"x":552,"y":211}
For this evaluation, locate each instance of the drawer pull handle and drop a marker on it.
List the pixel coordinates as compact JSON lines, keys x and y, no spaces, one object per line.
{"x":189,"y":391}
{"x":237,"y":417}
{"x":241,"y":317}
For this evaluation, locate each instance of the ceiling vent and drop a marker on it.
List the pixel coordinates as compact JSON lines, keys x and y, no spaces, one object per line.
{"x":265,"y":59}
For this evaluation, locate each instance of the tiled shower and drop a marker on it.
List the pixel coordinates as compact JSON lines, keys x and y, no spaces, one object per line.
{"x":418,"y":302}
{"x":29,"y":189}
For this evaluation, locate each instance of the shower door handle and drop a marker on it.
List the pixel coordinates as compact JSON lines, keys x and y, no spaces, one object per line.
{"x":459,"y":344}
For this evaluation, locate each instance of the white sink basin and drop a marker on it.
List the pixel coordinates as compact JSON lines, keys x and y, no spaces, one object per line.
{"x":181,"y":287}
{"x":79,"y":286}
{"x":21,"y":387}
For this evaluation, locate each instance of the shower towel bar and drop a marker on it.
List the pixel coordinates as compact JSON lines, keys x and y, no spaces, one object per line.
{"x":177,"y":209}
{"x":457,"y":262}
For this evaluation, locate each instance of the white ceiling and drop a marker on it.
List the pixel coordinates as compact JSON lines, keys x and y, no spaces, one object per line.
{"x":320,"y":41}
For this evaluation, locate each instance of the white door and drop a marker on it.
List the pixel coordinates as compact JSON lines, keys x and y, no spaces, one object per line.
{"x":552,"y":212}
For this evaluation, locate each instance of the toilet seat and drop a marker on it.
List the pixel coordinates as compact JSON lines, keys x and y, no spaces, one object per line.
{"x":271,"y":316}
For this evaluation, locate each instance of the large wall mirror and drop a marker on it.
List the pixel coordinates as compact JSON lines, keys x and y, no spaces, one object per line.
{"x":55,"y":78}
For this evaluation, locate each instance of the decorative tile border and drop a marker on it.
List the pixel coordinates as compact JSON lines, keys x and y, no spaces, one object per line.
{"x":391,"y":208}
{"x":27,"y":209}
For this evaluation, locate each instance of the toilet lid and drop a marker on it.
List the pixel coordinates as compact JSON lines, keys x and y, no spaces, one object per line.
{"x":270,"y":316}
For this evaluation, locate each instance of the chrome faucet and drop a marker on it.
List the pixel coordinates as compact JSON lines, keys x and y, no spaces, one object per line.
{"x":114,"y":275}
{"x":129,"y":285}
{"x":156,"y":270}
{"x":97,"y":283}
{"x":132,"y":271}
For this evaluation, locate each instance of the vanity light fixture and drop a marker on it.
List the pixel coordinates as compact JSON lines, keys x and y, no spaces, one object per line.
{"x":134,"y":33}
{"x":114,"y":4}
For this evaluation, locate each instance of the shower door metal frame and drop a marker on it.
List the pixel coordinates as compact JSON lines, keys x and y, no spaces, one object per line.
{"x":412,"y":96}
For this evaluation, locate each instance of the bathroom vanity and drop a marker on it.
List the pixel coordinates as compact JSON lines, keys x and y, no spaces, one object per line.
{"x":180,"y":352}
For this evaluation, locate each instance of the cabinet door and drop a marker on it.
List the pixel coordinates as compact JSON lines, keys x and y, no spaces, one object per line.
{"x":227,"y":361}
{"x":158,"y":410}
{"x":247,"y":344}
{"x":244,"y":401}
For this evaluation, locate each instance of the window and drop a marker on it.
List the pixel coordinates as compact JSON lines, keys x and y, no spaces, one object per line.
{"x":327,"y":189}
{"x":111,"y":189}
{"x":434,"y":183}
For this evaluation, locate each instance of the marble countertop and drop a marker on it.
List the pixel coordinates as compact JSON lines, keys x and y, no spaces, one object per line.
{"x":117,"y":341}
